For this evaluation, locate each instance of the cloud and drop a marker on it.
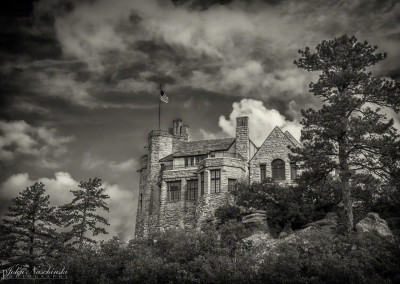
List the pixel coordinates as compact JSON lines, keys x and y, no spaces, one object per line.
{"x":121,"y":202}
{"x":18,"y":138}
{"x":91,"y":162}
{"x":242,"y":48}
{"x":247,"y":41}
{"x":261,"y":120}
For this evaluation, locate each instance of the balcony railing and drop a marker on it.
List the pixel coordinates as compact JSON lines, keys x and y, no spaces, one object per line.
{"x":225,"y":154}
{"x":212,"y":155}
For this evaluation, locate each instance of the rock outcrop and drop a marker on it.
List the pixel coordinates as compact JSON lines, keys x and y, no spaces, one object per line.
{"x":257,"y":223}
{"x":374,"y":224}
{"x":287,"y":230}
{"x":329,"y":223}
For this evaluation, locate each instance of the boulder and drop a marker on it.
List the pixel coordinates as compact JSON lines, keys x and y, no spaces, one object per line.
{"x":287,"y":230}
{"x":329,"y":223}
{"x":256,"y":221}
{"x":374,"y":224}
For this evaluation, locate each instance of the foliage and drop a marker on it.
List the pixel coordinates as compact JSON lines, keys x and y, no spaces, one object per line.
{"x":28,"y":233}
{"x":350,"y":132}
{"x":228,"y":212}
{"x":325,"y":258}
{"x":81,"y":212}
{"x":317,"y":257}
{"x":293,"y":205}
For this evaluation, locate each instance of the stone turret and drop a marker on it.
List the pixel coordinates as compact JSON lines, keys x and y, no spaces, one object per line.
{"x":242,"y":137}
{"x":159,"y":145}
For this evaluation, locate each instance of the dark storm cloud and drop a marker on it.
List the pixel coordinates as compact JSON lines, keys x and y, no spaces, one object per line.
{"x":229,"y":47}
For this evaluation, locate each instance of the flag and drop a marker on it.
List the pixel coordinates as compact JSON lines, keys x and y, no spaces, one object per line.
{"x":163,"y":97}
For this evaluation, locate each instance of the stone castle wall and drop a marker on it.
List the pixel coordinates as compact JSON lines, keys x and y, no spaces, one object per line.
{"x":159,"y":145}
{"x":274,"y":147}
{"x":230,"y":168}
{"x":172,"y":213}
{"x":158,"y":212}
{"x":242,"y":137}
{"x":142,"y":191}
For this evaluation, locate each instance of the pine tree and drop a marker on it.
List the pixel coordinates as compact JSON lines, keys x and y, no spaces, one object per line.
{"x":350,"y":133}
{"x":28,"y":231}
{"x":81,"y":212}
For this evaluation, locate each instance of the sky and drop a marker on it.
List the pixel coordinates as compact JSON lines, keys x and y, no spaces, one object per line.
{"x":79,"y":81}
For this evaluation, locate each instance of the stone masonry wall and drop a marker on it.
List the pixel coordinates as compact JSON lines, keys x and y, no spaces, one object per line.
{"x":230,"y":168}
{"x":242,"y":137}
{"x":274,"y":147}
{"x":159,"y":146}
{"x":173,"y":213}
{"x":142,"y":189}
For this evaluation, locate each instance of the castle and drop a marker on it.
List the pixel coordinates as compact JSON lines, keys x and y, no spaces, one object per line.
{"x":182,"y":182}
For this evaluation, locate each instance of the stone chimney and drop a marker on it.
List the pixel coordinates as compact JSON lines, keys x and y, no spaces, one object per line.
{"x":179,"y":131}
{"x":242,"y":137}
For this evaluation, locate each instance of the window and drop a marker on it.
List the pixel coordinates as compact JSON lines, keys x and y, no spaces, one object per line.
{"x":174,"y":191}
{"x":231,"y":184}
{"x":190,"y":161}
{"x":191,"y":193}
{"x":193,"y":161}
{"x":263,"y":172}
{"x":215,"y":181}
{"x":293,"y":170}
{"x":278,"y":169}
{"x":202,"y":183}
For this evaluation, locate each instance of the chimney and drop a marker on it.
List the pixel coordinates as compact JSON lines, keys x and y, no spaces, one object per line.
{"x":242,"y":137}
{"x":179,"y":131}
{"x":176,"y":126}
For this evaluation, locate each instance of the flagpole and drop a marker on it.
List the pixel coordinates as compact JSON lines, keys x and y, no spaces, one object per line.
{"x":159,"y":110}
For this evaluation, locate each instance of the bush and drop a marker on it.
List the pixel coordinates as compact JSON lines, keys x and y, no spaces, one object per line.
{"x":326,"y":258}
{"x":285,"y":205}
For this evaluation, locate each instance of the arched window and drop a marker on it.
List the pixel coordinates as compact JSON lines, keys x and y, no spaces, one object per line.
{"x":278,"y":169}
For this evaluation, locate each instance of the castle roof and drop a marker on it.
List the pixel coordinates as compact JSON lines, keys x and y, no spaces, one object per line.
{"x":203,"y":147}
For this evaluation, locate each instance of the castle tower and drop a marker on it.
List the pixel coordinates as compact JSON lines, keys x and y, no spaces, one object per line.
{"x":242,"y":137}
{"x":159,"y":145}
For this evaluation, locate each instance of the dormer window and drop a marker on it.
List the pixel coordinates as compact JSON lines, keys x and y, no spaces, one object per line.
{"x":193,"y":160}
{"x":190,"y":161}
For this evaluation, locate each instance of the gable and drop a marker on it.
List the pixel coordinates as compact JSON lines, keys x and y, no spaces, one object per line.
{"x":292,"y":139}
{"x":276,"y":142}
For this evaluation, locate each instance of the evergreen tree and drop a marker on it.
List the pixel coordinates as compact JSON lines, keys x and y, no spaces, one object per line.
{"x":350,"y":133}
{"x":28,"y":230}
{"x":81,"y":212}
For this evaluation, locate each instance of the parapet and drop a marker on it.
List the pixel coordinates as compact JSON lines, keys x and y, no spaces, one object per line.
{"x":159,"y":133}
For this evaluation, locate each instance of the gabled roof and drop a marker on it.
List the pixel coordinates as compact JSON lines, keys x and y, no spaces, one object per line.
{"x":202,"y":147}
{"x":194,"y":148}
{"x":168,"y":158}
{"x":290,"y":138}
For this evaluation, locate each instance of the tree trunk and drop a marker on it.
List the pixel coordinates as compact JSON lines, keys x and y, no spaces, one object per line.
{"x":31,"y":246}
{"x":345,"y":175}
{"x":31,"y":255}
{"x":83,"y":223}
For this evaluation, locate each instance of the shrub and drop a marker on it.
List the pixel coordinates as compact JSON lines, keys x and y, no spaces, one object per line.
{"x":323,"y":257}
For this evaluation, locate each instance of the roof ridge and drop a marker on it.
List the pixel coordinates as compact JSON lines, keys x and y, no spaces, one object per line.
{"x":291,"y":136}
{"x":208,"y":140}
